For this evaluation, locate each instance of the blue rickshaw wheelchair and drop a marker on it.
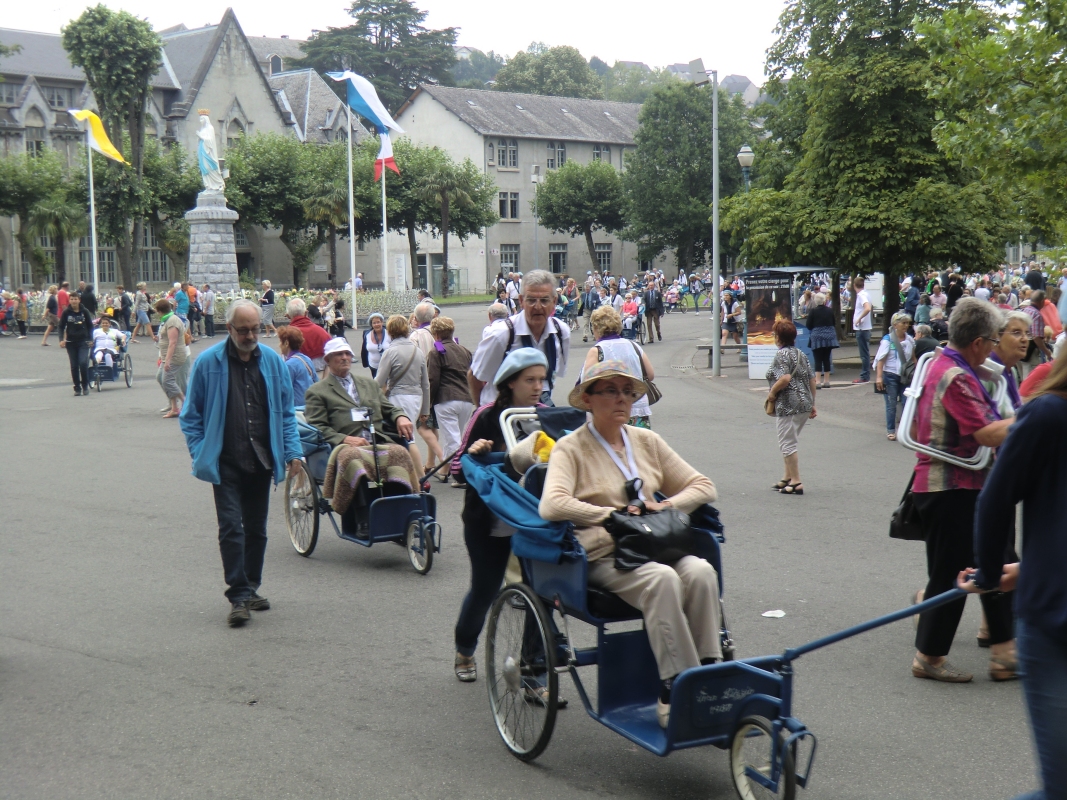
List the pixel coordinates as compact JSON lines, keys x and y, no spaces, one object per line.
{"x":743,"y":706}
{"x":121,"y":365}
{"x":385,"y":513}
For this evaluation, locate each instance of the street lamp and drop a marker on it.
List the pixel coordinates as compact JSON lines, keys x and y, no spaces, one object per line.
{"x":745,"y":157}
{"x":700,"y":77}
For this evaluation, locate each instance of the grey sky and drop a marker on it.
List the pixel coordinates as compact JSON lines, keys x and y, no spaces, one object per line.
{"x":731,"y":37}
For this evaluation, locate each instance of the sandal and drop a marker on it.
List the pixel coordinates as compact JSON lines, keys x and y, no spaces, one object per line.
{"x":466,"y":668}
{"x":944,"y":672}
{"x":1003,"y":668}
{"x":891,"y":437}
{"x":781,"y":484}
{"x":793,"y":488}
{"x":539,"y":695}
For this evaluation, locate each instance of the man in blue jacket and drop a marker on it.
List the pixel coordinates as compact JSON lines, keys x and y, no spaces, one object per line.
{"x":240,"y":427}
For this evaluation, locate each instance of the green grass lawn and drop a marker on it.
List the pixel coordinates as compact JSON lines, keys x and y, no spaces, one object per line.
{"x":456,"y":299}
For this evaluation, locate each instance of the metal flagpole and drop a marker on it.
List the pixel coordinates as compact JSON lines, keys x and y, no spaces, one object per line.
{"x":385,"y":240}
{"x":92,"y":211}
{"x":351,"y":227}
{"x":716,"y":313}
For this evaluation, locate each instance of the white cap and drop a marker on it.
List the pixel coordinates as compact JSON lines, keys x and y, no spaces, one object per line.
{"x":337,"y":345}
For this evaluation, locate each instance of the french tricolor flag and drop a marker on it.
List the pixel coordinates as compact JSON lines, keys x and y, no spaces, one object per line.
{"x":363,"y":100}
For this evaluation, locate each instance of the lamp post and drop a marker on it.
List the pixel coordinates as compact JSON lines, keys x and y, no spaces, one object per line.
{"x":536,"y":179}
{"x":745,"y":157}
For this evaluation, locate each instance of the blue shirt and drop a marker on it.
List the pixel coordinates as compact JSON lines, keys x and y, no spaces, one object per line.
{"x":1031,"y":466}
{"x":181,"y":303}
{"x":302,"y":374}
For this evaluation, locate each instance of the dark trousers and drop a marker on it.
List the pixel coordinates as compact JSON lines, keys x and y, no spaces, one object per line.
{"x":650,"y":320}
{"x":209,"y":324}
{"x":947,"y":521}
{"x":823,"y":361}
{"x":22,"y":326}
{"x":78,"y":353}
{"x":489,"y":560}
{"x":241,"y":503}
{"x":125,"y":319}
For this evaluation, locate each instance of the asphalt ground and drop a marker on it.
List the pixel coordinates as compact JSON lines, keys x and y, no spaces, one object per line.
{"x":120,"y":679}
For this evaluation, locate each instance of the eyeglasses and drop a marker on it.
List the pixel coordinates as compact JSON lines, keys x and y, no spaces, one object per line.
{"x":1019,"y":334}
{"x":990,"y":339}
{"x":615,"y":394}
{"x":538,"y":301}
{"x":246,"y":331}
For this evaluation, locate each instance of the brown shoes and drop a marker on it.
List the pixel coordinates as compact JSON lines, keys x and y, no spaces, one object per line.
{"x":1003,"y":668}
{"x":944,"y":672}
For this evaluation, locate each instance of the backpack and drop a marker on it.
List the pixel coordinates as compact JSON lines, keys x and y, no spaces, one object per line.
{"x":528,"y":342}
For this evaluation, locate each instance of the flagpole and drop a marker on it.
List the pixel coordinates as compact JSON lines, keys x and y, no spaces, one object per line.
{"x":92,"y":211}
{"x":385,"y":240}
{"x":351,"y":226}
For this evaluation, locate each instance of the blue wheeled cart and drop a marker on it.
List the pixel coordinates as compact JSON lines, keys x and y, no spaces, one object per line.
{"x":121,"y":368}
{"x":744,"y":706}
{"x":406,"y":519}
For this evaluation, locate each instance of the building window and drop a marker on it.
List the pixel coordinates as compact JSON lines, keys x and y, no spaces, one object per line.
{"x":492,"y":153}
{"x":240,"y":237}
{"x":60,"y":97}
{"x":48,"y":245}
{"x":509,"y":205}
{"x":361,"y":245}
{"x":234,"y":131}
{"x":35,"y":141}
{"x":155,"y":267}
{"x":557,"y":258}
{"x":603,"y":257}
{"x":557,"y":154}
{"x":507,"y":153}
{"x":647,"y":265}
{"x":509,"y":257}
{"x":9,"y":93}
{"x":275,"y":65}
{"x":105,"y":259}
{"x":601,"y":152}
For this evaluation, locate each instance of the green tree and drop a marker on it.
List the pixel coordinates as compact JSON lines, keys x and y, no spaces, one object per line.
{"x":389,"y":46}
{"x":327,"y":205}
{"x":668,"y":176}
{"x":599,"y":66}
{"x":556,"y":71}
{"x":413,"y":211}
{"x":119,"y":54}
{"x":62,"y":220}
{"x":26,"y":181}
{"x":632,"y":84}
{"x":997,"y":73}
{"x":171,"y":182}
{"x":475,"y":72}
{"x":581,"y":198}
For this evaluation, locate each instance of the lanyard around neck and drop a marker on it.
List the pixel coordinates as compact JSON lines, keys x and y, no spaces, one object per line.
{"x":629,"y":469}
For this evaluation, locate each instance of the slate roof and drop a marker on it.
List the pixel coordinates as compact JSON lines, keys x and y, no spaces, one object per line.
{"x":288,"y":49}
{"x":534,"y":116}
{"x":186,"y":51}
{"x":300,"y":87}
{"x":42,"y":55}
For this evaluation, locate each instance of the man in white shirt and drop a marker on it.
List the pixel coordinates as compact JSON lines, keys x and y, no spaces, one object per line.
{"x":207,"y":305}
{"x":982,"y":292}
{"x":533,"y":326}
{"x":498,"y":312}
{"x":513,"y":289}
{"x":861,"y":323}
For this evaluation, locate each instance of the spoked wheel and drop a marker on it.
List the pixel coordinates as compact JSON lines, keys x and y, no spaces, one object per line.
{"x":98,"y":379}
{"x":751,"y":751}
{"x":127,"y":369}
{"x":521,"y":671}
{"x":640,"y":331}
{"x":682,"y":305}
{"x":419,"y":547}
{"x":301,"y":510}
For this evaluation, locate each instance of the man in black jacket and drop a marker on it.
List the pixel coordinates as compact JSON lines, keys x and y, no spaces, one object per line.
{"x":76,"y":335}
{"x":653,"y":309}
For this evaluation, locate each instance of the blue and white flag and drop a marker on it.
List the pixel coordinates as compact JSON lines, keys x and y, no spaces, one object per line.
{"x":363,"y":99}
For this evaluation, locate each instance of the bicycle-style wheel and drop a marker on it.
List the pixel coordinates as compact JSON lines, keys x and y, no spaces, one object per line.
{"x":521,"y":671}
{"x":127,"y":369}
{"x":750,"y":752}
{"x":301,"y":510}
{"x":419,"y":546}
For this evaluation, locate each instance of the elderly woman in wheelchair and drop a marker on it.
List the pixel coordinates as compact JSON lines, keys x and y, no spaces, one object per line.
{"x":591,"y":474}
{"x":107,"y":341}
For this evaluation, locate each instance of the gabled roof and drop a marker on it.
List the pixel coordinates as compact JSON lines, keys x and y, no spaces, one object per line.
{"x":312,"y":103}
{"x":42,"y":54}
{"x":534,"y":116}
{"x":264,"y":47}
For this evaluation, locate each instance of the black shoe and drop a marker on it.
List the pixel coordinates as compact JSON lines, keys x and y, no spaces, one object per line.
{"x":239,"y":614}
{"x":257,"y":603}
{"x":77,"y":391}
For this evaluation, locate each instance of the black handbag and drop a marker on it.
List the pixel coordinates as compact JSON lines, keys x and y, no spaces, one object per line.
{"x":905,"y":523}
{"x":661,"y":536}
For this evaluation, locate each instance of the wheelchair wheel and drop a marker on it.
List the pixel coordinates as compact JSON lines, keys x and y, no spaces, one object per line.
{"x":640,"y":330}
{"x":751,"y":749}
{"x":420,"y":548}
{"x":127,"y":369}
{"x":98,"y":379}
{"x":301,"y":510}
{"x":521,"y":671}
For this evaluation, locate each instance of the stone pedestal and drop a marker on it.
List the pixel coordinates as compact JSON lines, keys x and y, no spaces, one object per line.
{"x":212,"y":255}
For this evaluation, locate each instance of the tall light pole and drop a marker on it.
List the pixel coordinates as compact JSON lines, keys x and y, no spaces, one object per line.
{"x":700,"y":77}
{"x":535,"y":179}
{"x":745,"y":157}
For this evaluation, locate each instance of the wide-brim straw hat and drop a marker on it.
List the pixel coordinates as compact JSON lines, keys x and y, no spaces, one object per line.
{"x":602,"y":371}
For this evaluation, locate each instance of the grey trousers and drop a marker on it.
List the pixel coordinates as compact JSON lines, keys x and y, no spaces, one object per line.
{"x":680,"y":603}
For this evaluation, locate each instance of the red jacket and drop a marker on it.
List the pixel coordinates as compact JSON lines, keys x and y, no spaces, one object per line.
{"x":315,"y":338}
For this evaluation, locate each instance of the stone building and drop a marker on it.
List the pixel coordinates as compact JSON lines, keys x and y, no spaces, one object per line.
{"x":250,"y":86}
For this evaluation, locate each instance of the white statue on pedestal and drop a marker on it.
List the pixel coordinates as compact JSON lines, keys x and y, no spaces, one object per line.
{"x":208,"y":156}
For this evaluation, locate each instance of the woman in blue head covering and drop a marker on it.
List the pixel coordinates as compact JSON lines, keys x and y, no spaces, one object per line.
{"x":519,"y":381}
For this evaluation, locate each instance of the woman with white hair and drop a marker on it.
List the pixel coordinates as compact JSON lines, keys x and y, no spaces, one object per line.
{"x":404,"y":380}
{"x":266,"y":308}
{"x":895,"y":352}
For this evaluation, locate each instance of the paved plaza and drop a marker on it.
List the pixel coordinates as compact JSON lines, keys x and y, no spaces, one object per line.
{"x":120,"y":679}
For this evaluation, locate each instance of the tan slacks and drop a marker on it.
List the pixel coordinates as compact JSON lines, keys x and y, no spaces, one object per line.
{"x":680,"y":603}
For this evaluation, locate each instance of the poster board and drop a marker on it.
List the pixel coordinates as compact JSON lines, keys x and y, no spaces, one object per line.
{"x":767,"y":300}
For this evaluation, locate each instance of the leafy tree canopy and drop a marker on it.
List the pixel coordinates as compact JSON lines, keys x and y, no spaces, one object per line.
{"x":582,"y":198}
{"x":555,"y":71}
{"x":599,"y":66}
{"x":631,"y":84}
{"x":389,"y":46}
{"x":475,"y":72}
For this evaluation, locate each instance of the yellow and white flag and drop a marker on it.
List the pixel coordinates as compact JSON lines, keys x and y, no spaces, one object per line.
{"x":97,"y":136}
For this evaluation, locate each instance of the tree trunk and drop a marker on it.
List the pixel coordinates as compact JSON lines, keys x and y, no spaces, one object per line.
{"x":444,"y":240}
{"x":835,"y":287}
{"x":413,"y":252}
{"x":890,"y":298}
{"x":61,"y":259}
{"x":592,"y":248}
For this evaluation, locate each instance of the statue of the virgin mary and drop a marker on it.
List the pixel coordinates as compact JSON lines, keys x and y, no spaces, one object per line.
{"x":208,"y":156}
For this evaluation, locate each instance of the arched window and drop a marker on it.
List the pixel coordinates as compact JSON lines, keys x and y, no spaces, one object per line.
{"x":275,"y":65}
{"x":601,"y":153}
{"x":34,"y":124}
{"x":234,"y":131}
